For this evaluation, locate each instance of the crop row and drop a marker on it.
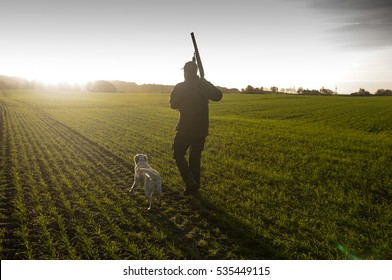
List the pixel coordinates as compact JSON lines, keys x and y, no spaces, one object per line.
{"x":68,"y":195}
{"x":283,"y":177}
{"x":65,"y":196}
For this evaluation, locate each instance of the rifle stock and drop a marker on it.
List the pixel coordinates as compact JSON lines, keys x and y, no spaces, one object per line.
{"x":197,"y":55}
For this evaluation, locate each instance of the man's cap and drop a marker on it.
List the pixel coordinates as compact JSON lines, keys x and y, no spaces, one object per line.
{"x":190,"y":66}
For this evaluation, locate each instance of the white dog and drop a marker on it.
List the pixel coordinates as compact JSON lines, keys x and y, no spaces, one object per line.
{"x":147,"y":177}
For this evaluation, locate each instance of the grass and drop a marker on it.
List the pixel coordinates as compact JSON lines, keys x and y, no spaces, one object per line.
{"x":284,"y":177}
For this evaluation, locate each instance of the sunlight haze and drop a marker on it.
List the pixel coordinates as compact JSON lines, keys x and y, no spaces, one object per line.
{"x":343,"y":44}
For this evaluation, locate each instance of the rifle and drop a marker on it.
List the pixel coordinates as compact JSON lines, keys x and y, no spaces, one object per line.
{"x":196,"y":56}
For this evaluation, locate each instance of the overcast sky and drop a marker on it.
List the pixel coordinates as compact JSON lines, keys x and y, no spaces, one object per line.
{"x":285,"y":43}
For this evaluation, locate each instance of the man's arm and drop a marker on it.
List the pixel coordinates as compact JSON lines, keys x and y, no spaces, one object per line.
{"x":214,"y":93}
{"x":175,"y":99}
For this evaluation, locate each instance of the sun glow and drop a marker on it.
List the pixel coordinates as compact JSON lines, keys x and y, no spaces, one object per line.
{"x":66,"y":73}
{"x":58,"y":77}
{"x":48,"y":75}
{"x":53,"y":70}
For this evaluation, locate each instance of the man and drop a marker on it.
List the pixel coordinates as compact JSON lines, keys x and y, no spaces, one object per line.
{"x":191,"y":98}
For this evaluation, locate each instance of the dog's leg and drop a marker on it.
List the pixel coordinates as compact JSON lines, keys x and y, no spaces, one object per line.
{"x":159,"y":199}
{"x":148,"y":188}
{"x":149,"y":195}
{"x":159,"y":192}
{"x":150,"y":199}
{"x":135,"y":183}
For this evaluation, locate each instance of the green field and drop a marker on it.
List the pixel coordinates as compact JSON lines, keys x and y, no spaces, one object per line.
{"x":284,"y":177}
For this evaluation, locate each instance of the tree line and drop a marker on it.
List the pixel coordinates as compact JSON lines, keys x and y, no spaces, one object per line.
{"x":131,"y":87}
{"x":379,"y":92}
{"x":301,"y":91}
{"x":127,"y":87}
{"x":7,"y":82}
{"x":265,"y":90}
{"x":291,"y":90}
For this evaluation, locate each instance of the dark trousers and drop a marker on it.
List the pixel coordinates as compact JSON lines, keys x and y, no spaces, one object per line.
{"x":190,"y":172}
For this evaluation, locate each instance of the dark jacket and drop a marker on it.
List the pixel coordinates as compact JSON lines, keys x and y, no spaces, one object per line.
{"x":191,"y":98}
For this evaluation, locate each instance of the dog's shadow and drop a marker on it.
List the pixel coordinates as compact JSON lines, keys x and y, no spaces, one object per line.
{"x":203,"y":230}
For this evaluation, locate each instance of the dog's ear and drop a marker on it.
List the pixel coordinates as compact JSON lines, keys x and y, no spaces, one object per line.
{"x":136,"y":158}
{"x":145,"y":158}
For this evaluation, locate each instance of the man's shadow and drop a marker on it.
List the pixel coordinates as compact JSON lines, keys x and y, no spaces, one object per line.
{"x":210,"y":233}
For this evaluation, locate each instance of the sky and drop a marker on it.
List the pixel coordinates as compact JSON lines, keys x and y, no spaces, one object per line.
{"x":335,"y":44}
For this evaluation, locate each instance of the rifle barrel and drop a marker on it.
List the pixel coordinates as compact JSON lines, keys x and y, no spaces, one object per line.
{"x":198,"y":59}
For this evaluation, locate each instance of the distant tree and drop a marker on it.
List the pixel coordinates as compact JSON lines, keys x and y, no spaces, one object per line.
{"x":259,"y":90}
{"x":325,"y":91}
{"x":103,"y":86}
{"x":228,"y":90}
{"x":383,"y":92}
{"x":252,"y":90}
{"x":274,"y":89}
{"x":154,"y":88}
{"x":361,"y":92}
{"x":289,"y":90}
{"x":249,"y":89}
{"x":122,"y":86}
{"x":309,"y":92}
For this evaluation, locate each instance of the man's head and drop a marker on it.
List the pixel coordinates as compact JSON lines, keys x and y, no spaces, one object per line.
{"x":190,"y":69}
